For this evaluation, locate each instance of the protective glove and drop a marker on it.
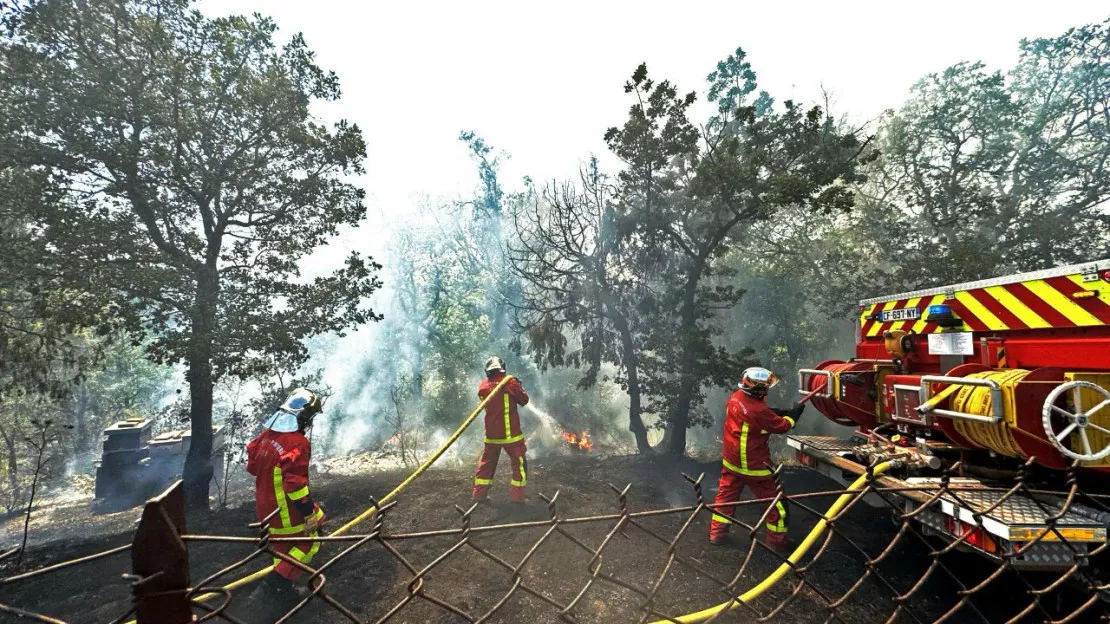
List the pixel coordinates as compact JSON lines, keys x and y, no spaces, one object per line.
{"x":314,"y":520}
{"x":796,"y":411}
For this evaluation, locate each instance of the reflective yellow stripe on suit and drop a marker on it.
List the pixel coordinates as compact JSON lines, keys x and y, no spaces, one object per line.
{"x":300,"y":555}
{"x":743,"y":467}
{"x":279,"y":496}
{"x":523,"y":475}
{"x":780,"y":526}
{"x":299,"y":494}
{"x":296,"y":528}
{"x":509,"y":437}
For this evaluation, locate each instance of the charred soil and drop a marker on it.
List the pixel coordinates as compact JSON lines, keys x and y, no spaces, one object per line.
{"x":370,"y":581}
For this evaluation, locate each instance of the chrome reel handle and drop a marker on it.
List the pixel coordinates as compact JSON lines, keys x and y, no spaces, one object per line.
{"x":1078,"y":422}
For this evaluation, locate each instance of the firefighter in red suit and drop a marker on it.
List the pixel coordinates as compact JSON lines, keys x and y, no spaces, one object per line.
{"x":745,"y":458}
{"x":278,"y":459}
{"x":503,"y":432}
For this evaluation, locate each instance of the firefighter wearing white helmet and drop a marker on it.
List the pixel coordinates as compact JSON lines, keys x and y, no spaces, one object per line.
{"x":745,"y":458}
{"x":503,"y":432}
{"x":278,"y":459}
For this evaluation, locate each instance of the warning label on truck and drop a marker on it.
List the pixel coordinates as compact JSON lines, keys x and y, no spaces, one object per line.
{"x":959,"y":343}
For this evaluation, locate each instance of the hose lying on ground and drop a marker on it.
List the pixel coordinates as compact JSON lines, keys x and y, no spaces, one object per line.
{"x":385,"y":499}
{"x":794,"y":557}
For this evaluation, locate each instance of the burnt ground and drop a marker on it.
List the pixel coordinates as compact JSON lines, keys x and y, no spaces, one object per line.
{"x":370,"y":581}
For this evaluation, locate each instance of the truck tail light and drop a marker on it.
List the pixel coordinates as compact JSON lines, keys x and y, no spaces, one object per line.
{"x":976,"y":536}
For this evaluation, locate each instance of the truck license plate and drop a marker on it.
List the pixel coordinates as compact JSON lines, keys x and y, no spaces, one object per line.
{"x":902,"y":314}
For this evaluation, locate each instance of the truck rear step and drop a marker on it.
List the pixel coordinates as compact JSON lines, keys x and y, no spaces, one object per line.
{"x":998,"y":526}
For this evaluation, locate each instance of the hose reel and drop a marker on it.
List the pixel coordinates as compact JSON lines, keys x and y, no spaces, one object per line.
{"x":980,"y":401}
{"x":1077,"y":422}
{"x":851,"y":403}
{"x":1014,"y":412}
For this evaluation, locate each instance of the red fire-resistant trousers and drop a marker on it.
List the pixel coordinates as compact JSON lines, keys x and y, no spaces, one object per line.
{"x":730,"y":487}
{"x":487,"y":465}
{"x":301,"y":551}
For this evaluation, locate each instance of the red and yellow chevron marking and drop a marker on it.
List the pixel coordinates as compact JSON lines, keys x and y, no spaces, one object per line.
{"x":1035,"y":304}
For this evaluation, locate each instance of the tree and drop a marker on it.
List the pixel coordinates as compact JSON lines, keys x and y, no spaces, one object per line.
{"x":985,"y":173}
{"x":445,"y":312}
{"x":692,"y":192}
{"x":50,"y":331}
{"x":124,"y":385}
{"x":484,"y":239}
{"x":189,"y":180}
{"x":428,"y":280}
{"x":580,"y":278}
{"x":981,"y":173}
{"x":45,"y":435}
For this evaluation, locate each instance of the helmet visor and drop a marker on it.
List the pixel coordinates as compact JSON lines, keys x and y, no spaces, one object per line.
{"x":298,"y":401}
{"x":757,"y":377}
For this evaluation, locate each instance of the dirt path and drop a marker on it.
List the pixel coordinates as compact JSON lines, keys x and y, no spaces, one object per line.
{"x":371,"y":581}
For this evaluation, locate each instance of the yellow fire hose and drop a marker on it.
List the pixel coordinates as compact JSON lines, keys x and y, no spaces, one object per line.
{"x":385,"y":499}
{"x":794,"y":557}
{"x":999,"y":436}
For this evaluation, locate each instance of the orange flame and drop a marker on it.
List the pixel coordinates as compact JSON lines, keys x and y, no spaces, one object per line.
{"x":580,"y":440}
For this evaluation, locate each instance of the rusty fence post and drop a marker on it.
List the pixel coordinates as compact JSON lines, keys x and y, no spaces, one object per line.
{"x":160,"y":560}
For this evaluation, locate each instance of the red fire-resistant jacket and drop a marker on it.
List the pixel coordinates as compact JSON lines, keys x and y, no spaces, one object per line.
{"x":502,"y":419}
{"x":748,"y":424}
{"x":279,"y":463}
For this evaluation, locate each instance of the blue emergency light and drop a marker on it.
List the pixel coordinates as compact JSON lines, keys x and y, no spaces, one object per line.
{"x":943,"y":315}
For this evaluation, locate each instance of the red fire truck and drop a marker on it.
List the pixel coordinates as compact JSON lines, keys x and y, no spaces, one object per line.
{"x":977,"y":383}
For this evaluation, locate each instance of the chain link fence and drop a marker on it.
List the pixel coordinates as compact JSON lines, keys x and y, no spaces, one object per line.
{"x":628,"y":553}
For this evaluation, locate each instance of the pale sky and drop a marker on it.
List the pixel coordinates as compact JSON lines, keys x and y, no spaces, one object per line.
{"x":542,"y":81}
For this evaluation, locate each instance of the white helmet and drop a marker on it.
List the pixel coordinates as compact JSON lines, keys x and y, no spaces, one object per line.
{"x":296,"y":413}
{"x":495,"y":365}
{"x":756,"y":381}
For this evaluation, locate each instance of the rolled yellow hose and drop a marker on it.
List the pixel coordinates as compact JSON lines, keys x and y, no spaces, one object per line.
{"x":940,"y":397}
{"x":794,"y":557}
{"x":385,"y":499}
{"x":978,"y":400}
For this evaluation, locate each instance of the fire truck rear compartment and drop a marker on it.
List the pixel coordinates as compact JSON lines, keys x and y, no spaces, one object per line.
{"x":1016,"y":365}
{"x":1025,"y":530}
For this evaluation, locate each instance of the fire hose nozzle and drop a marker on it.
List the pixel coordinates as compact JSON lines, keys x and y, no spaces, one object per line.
{"x":928,"y":461}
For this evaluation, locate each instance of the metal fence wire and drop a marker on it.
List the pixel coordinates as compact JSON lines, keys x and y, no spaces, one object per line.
{"x":163,"y":592}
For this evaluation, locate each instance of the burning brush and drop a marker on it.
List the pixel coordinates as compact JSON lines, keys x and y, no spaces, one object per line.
{"x":578,"y":441}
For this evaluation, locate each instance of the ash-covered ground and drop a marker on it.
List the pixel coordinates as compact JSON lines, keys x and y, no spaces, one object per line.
{"x":371,"y":582}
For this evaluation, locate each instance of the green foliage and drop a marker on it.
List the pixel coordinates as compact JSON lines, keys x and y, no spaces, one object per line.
{"x":49,"y":326}
{"x":188,"y":179}
{"x":691,"y":193}
{"x":987,"y":173}
{"x":126,"y":385}
{"x":489,"y":201}
{"x":444,"y":320}
{"x":981,"y":173}
{"x":447,"y":311}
